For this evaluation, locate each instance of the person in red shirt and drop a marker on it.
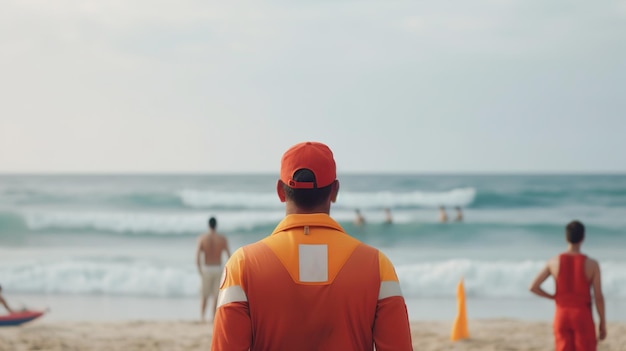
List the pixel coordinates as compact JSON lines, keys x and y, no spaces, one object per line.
{"x":575,"y":275}
{"x":309,"y":285}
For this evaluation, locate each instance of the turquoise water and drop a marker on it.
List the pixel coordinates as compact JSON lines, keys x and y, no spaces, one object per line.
{"x":134,"y":236}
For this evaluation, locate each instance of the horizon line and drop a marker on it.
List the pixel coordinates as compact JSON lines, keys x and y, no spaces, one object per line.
{"x":347,"y":173}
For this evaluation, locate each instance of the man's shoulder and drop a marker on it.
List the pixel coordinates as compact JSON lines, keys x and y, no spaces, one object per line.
{"x":365,"y":246}
{"x":593,"y":262}
{"x":553,"y":262}
{"x":242,"y":252}
{"x":248,"y":247}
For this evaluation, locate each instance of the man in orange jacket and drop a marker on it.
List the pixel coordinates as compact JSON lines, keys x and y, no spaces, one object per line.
{"x":309,"y":285}
{"x":575,"y":275}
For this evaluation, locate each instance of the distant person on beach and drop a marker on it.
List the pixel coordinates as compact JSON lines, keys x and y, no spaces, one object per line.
{"x":359,"y":220}
{"x":459,"y":214}
{"x":388,"y":218}
{"x":443,"y":216}
{"x":211,"y":245}
{"x":309,"y":285}
{"x":3,"y":302}
{"x":575,"y":275}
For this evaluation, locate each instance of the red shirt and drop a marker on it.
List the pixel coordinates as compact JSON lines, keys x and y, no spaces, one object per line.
{"x":573,"y":288}
{"x":573,"y":321}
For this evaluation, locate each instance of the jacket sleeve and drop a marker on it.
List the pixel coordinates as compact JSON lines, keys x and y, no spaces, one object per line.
{"x":392,"y":331}
{"x":232,"y":328}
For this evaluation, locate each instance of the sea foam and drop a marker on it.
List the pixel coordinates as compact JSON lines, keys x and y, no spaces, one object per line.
{"x":131,"y":277}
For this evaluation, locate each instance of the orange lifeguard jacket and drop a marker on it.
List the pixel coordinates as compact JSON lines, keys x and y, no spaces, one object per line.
{"x":310,"y":286}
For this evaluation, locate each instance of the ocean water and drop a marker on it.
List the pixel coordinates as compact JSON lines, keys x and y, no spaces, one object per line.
{"x":132,"y":237}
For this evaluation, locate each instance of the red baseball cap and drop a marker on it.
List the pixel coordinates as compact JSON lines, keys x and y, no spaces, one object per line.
{"x":310,"y":155}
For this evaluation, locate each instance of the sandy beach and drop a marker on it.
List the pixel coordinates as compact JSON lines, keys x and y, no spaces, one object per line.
{"x":486,"y":335}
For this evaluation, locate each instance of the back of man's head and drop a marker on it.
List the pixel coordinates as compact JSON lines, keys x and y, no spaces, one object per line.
{"x":307,"y":199}
{"x":575,"y":232}
{"x":308,"y":172}
{"x":212,"y":223}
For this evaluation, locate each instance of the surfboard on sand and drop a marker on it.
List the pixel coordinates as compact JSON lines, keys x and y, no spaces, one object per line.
{"x":19,"y":318}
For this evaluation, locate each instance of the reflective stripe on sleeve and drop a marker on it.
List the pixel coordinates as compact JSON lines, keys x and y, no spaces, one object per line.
{"x":389,"y":289}
{"x":231,"y":294}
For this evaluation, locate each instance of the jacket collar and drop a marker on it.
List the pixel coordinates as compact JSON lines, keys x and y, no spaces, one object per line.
{"x":311,"y":220}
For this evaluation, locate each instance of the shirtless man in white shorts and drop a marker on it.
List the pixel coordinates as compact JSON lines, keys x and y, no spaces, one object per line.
{"x":209,"y":262}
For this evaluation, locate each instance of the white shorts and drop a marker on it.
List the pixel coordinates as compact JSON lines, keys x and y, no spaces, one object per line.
{"x":211,"y":276}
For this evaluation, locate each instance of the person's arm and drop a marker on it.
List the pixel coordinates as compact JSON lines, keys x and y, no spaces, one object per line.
{"x":227,"y":249}
{"x":5,"y":304}
{"x":596,"y":284}
{"x":535,"y":287}
{"x":232,"y":326}
{"x":198,"y":255}
{"x":392,"y":330}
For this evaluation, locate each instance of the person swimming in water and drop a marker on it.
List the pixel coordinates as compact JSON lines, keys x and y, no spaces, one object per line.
{"x":459,"y":214}
{"x":443,"y":216}
{"x":388,"y":218}
{"x":359,"y":220}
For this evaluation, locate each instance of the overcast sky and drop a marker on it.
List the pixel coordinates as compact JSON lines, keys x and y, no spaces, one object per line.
{"x":390,"y":86}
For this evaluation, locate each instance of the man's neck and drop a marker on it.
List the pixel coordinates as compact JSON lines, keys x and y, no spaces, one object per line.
{"x":291,"y":208}
{"x":575,"y":248}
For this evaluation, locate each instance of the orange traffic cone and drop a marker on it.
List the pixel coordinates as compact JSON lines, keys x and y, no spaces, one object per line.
{"x":459,"y":328}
